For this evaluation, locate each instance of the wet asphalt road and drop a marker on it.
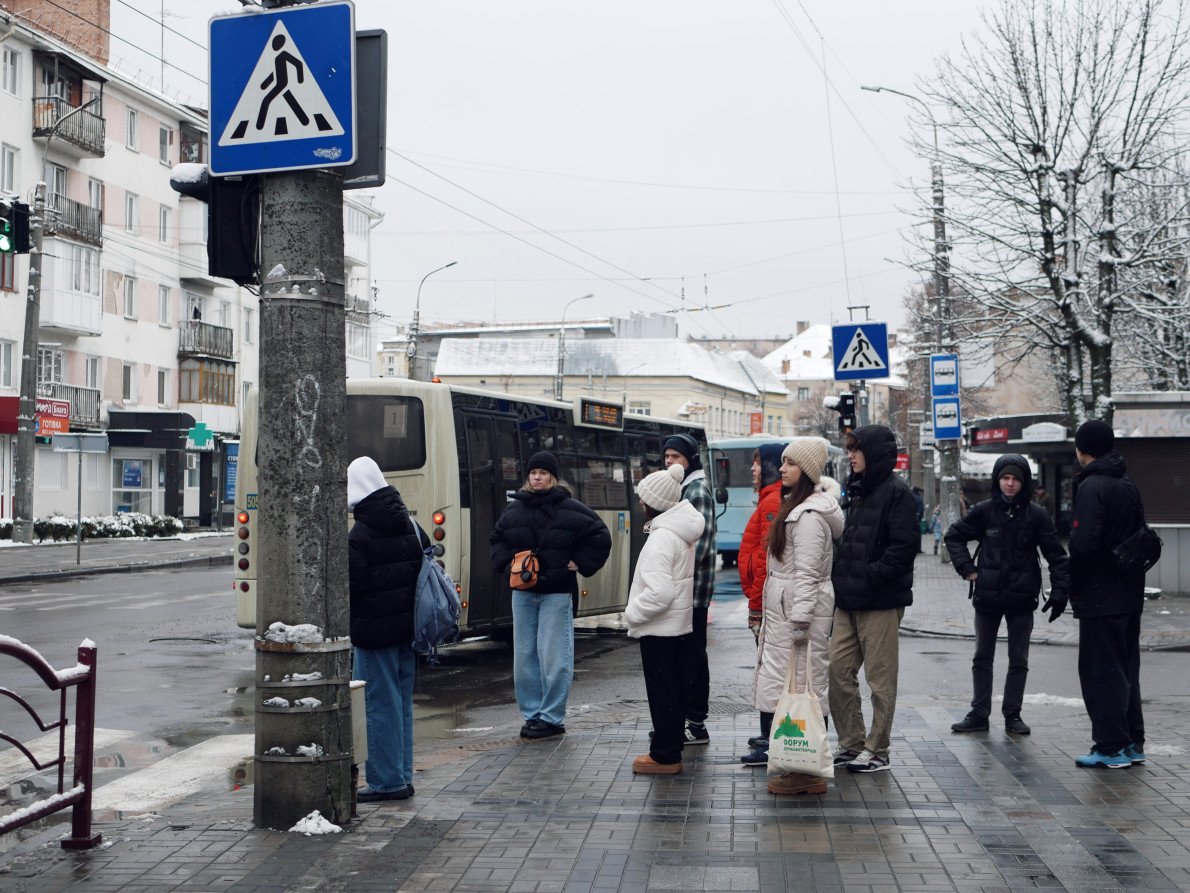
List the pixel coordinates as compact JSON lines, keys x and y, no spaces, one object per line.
{"x":174,"y":669}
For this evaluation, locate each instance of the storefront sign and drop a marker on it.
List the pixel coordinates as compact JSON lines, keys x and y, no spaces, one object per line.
{"x":53,"y":416}
{"x":756,"y":423}
{"x":902,"y":462}
{"x":1044,"y":432}
{"x":231,"y":468}
{"x":132,"y":473}
{"x":991,"y":435}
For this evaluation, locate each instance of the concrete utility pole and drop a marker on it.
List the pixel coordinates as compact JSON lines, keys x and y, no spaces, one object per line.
{"x":303,"y":753}
{"x":951,"y":471}
{"x":24,"y":462}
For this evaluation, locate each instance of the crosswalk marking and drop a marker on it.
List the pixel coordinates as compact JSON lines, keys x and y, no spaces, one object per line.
{"x":14,"y":765}
{"x":36,"y":602}
{"x":176,"y":777}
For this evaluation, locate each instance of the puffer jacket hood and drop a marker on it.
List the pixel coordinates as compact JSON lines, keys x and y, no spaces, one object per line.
{"x":879,"y":446}
{"x":1026,"y":493}
{"x":384,"y":511}
{"x":770,"y":463}
{"x":684,"y":520}
{"x":827,"y":506}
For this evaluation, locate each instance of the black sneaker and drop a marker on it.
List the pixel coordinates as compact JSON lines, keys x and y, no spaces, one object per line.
{"x":758,"y":757}
{"x":367,"y":795}
{"x":972,"y":722}
{"x":539,"y":728}
{"x":757,"y":741}
{"x":696,"y":733}
{"x":1014,"y":725}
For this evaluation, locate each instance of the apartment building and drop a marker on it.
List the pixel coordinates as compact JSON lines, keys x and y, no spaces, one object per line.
{"x":135,"y":335}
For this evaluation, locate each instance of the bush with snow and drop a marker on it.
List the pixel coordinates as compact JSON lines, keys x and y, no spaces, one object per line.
{"x":60,"y":528}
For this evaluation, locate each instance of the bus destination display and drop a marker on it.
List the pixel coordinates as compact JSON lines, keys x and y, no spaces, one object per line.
{"x":599,"y":414}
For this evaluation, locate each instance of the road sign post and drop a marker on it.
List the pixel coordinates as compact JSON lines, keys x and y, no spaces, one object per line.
{"x":282,"y":104}
{"x":79,"y":443}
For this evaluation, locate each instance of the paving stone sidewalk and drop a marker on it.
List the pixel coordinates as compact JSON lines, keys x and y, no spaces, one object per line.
{"x":56,"y":561}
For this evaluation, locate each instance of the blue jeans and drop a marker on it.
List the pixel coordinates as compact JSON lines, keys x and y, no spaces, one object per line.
{"x":389,"y":673}
{"x":543,"y":654}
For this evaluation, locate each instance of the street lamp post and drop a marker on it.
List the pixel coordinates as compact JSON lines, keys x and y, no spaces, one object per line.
{"x":562,"y":347}
{"x":415,"y":326}
{"x":23,"y":464}
{"x":949,"y":495}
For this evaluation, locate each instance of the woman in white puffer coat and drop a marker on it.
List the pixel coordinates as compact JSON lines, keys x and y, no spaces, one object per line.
{"x":799,"y":600}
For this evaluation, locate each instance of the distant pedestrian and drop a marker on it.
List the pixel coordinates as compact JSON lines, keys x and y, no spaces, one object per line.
{"x":1005,"y":580}
{"x":682,"y":450}
{"x":384,"y":559}
{"x":799,"y":599}
{"x":567,"y":537}
{"x":766,"y":479}
{"x":1044,"y":500}
{"x":936,"y":527}
{"x":873,"y":580}
{"x":1107,"y":600}
{"x":660,"y":611}
{"x":919,"y":509}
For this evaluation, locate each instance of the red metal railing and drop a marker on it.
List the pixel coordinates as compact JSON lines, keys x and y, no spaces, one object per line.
{"x":79,"y":796}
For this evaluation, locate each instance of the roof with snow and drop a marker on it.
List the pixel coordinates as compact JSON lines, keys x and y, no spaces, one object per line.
{"x":810,"y":357}
{"x":614,"y":357}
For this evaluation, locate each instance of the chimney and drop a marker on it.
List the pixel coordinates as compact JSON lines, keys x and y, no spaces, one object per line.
{"x":80,"y":24}
{"x":785,"y":367}
{"x":802,"y":325}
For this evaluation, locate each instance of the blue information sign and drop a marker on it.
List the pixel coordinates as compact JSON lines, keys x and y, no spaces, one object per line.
{"x":282,"y":89}
{"x":860,"y":351}
{"x":948,"y":420}
{"x":231,"y":468}
{"x":944,"y":375}
{"x":132,"y":474}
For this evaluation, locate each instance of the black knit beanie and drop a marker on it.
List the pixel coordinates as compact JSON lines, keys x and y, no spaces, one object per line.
{"x":1095,"y":438}
{"x":688,"y":447}
{"x":545,"y":461}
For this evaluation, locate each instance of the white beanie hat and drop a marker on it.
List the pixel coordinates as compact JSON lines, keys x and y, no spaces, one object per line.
{"x":364,"y":478}
{"x":662,"y":490}
{"x":808,"y":454}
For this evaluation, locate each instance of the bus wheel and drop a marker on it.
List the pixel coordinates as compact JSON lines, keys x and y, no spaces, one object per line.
{"x":729,"y":558}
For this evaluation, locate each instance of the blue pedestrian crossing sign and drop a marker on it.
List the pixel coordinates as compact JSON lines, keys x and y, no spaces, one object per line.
{"x":948,"y":420}
{"x":860,"y":351}
{"x":282,"y":89}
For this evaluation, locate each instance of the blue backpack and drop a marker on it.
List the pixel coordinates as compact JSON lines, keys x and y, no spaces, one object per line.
{"x":436,"y":606}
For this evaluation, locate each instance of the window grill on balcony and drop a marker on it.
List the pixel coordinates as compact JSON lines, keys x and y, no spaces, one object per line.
{"x":74,"y":220}
{"x":84,"y":129}
{"x":206,"y":340}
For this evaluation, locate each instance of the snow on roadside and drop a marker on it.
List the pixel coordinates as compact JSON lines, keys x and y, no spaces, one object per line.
{"x":314,"y":823}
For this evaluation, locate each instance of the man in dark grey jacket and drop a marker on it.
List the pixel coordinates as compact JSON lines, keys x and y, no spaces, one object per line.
{"x":873,"y":580}
{"x":1107,"y":600}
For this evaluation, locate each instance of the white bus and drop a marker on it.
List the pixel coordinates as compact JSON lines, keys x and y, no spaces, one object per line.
{"x":456,"y":454}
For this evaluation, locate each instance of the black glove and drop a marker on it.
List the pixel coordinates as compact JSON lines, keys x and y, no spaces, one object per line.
{"x":1056,"y":605}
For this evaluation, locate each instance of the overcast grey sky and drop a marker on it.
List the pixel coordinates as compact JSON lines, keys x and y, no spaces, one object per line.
{"x":668,"y":144}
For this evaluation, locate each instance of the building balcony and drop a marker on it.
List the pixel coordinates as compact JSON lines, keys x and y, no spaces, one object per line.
{"x":71,"y":303}
{"x":201,"y":339}
{"x":84,"y":130}
{"x":73,"y":220}
{"x":84,"y":402}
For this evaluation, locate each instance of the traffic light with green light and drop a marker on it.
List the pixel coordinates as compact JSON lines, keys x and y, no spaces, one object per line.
{"x":14,"y":227}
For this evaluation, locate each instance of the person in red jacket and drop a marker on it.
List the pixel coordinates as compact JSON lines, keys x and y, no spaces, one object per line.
{"x":752,"y":561}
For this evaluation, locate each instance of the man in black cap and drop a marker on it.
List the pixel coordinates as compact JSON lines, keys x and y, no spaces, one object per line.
{"x":682,"y":449}
{"x":1005,"y":580}
{"x":1107,"y":599}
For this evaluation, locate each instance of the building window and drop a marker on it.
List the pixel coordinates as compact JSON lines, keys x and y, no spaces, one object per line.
{"x":55,"y":184}
{"x":49,"y":365}
{"x":803,"y":394}
{"x":192,"y":470}
{"x":130,"y":212}
{"x":164,"y":138}
{"x":6,"y":351}
{"x":129,"y":297}
{"x":249,"y":325}
{"x":357,"y":340}
{"x":162,"y":387}
{"x":193,"y":306}
{"x":8,"y":272}
{"x":640,"y":407}
{"x":8,"y":168}
{"x":163,"y":305}
{"x":128,"y":383}
{"x":245,"y":387}
{"x":356,"y":222}
{"x":132,"y":485}
{"x":130,"y":129}
{"x":84,"y":269}
{"x":207,"y":381}
{"x":12,"y":67}
{"x":95,"y":193}
{"x":91,"y":370}
{"x":163,"y":224}
{"x":224,"y":316}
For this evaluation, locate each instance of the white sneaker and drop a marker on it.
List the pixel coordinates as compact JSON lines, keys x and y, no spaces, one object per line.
{"x":868,"y":762}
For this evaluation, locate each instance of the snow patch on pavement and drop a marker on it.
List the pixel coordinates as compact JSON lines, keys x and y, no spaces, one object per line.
{"x":314,"y":823}
{"x":1043,"y":700}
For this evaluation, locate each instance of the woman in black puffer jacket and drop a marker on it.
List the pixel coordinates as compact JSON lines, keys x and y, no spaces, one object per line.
{"x":384,"y":559}
{"x":568,"y":537}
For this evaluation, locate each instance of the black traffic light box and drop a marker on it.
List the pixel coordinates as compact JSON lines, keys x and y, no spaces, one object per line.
{"x":14,"y":228}
{"x":233,"y":209}
{"x":846,"y":410}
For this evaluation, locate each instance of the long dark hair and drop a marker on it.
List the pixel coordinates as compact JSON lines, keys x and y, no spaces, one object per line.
{"x":791,"y":498}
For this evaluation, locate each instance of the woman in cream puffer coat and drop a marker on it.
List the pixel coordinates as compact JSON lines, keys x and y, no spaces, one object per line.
{"x":799,"y":600}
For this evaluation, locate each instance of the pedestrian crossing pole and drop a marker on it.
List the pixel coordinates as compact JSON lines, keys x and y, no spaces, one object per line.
{"x":303,"y":716}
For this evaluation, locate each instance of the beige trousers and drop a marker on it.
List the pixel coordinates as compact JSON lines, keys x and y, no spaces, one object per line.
{"x":868,"y":639}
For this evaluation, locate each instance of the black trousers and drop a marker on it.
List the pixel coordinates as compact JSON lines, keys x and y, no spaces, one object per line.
{"x":696,"y":669}
{"x":661,"y":658}
{"x":987,"y":627}
{"x":1109,"y":672}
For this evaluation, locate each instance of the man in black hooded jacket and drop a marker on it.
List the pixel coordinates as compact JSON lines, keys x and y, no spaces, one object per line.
{"x":1005,"y":581}
{"x":873,"y":580}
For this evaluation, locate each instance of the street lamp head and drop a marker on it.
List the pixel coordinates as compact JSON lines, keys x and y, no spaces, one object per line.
{"x":870,"y":88}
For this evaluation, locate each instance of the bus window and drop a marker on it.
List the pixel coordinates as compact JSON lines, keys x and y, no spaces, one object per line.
{"x":601,"y":483}
{"x":390,"y":429}
{"x":739,"y":468}
{"x":611,"y":444}
{"x":587,"y":442}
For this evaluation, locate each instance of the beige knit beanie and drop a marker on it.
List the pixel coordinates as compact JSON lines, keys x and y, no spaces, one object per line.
{"x":662,"y":490}
{"x":808,"y":454}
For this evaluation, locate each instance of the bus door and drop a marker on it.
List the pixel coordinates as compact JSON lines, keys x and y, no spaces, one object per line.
{"x":644,"y":457}
{"x":492,"y":470}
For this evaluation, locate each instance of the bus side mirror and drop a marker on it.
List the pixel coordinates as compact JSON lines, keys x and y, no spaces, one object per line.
{"x":721,"y":496}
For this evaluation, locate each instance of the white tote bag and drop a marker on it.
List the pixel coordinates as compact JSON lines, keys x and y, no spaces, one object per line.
{"x":798,"y":740}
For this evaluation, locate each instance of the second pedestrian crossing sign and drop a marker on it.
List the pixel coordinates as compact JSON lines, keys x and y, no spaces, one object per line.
{"x":860,"y":351}
{"x":282,"y":89}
